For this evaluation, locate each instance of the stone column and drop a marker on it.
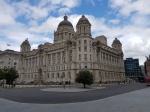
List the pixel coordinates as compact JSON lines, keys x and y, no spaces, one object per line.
{"x":38,"y":59}
{"x":43,"y":58}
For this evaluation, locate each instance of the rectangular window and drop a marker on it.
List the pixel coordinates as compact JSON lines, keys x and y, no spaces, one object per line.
{"x":91,"y":65}
{"x":79,"y":57}
{"x":70,"y":58}
{"x":90,"y":57}
{"x":69,"y":35}
{"x":84,"y":41}
{"x":15,"y":63}
{"x":79,"y":65}
{"x":85,"y":57}
{"x":79,"y":48}
{"x":85,"y":48}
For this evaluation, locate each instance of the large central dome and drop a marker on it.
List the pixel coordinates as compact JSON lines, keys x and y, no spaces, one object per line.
{"x":65,"y":22}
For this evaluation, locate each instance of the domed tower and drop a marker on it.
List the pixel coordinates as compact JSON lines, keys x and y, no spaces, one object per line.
{"x":25,"y":46}
{"x":117,"y":45}
{"x":84,"y":44}
{"x":64,"y":31}
{"x":83,"y":27}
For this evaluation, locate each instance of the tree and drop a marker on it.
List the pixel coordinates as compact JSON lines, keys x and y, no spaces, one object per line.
{"x":84,"y":77}
{"x":3,"y":72}
{"x":11,"y":75}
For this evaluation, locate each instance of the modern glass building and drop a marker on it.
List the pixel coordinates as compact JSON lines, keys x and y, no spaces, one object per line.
{"x":132,"y":68}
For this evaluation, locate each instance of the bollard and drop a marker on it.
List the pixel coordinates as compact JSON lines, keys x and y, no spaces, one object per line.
{"x":100,"y":85}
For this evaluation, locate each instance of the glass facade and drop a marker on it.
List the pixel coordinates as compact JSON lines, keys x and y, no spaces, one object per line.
{"x":132,"y":68}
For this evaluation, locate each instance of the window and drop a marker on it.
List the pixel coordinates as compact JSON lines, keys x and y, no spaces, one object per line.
{"x":91,"y":65}
{"x":90,"y":42}
{"x":84,"y":41}
{"x":79,"y":48}
{"x":85,"y":48}
{"x":79,"y":65}
{"x":85,"y":57}
{"x":90,"y":49}
{"x":69,"y":35}
{"x":70,"y":55}
{"x":58,"y":75}
{"x":79,"y":57}
{"x":79,"y":42}
{"x":15,"y":63}
{"x":90,"y":57}
{"x":52,"y":75}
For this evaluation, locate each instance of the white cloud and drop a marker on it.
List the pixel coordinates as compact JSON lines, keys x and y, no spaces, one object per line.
{"x":63,"y":11}
{"x":67,"y":3}
{"x":114,"y":21}
{"x":126,"y":7}
{"x":47,"y":26}
{"x":30,"y":11}
{"x":7,"y":14}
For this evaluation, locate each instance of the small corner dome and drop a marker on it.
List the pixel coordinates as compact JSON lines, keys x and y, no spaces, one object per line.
{"x":26,"y":42}
{"x":116,"y":41}
{"x":65,"y":22}
{"x":47,"y":43}
{"x":83,"y":19}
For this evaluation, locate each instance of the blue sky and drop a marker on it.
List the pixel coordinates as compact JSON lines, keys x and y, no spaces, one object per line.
{"x":36,"y":20}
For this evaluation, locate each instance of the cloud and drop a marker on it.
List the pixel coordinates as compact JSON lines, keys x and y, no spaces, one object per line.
{"x":127,"y":7}
{"x":31,"y":12}
{"x":114,"y":21}
{"x":7,"y":14}
{"x":63,"y":11}
{"x":67,"y":3}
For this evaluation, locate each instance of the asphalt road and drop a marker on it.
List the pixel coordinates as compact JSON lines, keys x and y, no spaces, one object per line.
{"x":35,"y":95}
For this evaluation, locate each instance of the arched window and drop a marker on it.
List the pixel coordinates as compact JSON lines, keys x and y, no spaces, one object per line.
{"x":52,"y":75}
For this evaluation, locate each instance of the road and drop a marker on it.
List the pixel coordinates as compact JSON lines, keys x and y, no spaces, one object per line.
{"x":35,"y":95}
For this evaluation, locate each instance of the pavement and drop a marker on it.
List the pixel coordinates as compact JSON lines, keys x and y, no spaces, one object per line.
{"x":72,"y":90}
{"x":136,"y":101}
{"x":35,"y":95}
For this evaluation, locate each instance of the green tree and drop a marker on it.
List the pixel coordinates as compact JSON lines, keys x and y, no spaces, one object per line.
{"x":3,"y":72}
{"x":11,"y":75}
{"x":84,"y":77}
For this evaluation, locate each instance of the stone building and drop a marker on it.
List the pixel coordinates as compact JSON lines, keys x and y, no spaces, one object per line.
{"x":71,"y":52}
{"x":9,"y":58}
{"x":147,"y":66}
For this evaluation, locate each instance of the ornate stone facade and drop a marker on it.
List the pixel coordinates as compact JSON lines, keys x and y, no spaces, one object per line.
{"x":71,"y":52}
{"x":9,"y":58}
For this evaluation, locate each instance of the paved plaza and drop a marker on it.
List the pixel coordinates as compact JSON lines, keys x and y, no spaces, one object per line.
{"x":69,"y":89}
{"x":136,"y":100}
